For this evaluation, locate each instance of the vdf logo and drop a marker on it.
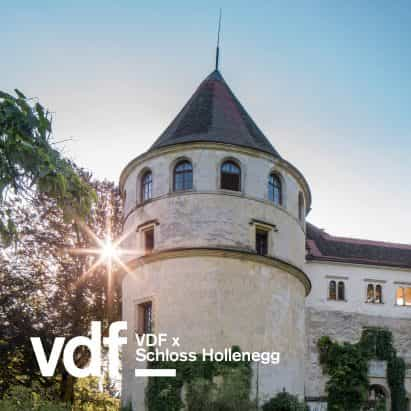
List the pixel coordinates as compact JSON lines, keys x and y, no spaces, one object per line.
{"x":113,"y":341}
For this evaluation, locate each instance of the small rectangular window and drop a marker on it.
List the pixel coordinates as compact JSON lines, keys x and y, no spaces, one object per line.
{"x":145,"y":318}
{"x":261,"y":242}
{"x":149,"y":240}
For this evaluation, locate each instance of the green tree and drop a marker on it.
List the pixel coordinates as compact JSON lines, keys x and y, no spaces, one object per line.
{"x":284,"y":401}
{"x":28,"y":160}
{"x":48,"y":289}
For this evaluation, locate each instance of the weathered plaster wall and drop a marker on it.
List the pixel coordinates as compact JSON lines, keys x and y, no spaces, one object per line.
{"x":216,"y":220}
{"x":207,"y":216}
{"x":356,"y":279}
{"x":220,"y":302}
{"x":255,"y":169}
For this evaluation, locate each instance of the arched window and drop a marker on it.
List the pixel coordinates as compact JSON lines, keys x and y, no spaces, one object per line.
{"x":377,"y":398}
{"x":183,"y":176}
{"x":370,"y":293}
{"x":146,"y":186}
{"x":230,"y":176}
{"x":378,"y":294}
{"x":341,"y":290}
{"x":275,"y":191}
{"x":332,"y":290}
{"x":301,"y":206}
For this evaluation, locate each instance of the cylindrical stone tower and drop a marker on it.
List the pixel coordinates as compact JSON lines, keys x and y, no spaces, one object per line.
{"x":216,"y":217}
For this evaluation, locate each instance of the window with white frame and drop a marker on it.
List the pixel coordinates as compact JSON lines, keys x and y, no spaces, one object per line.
{"x":261,"y":241}
{"x":332,"y":290}
{"x":374,"y":293}
{"x":275,"y":189}
{"x":230,"y":177}
{"x":146,"y":234}
{"x":403,"y":296}
{"x":146,"y":187}
{"x":336,"y":290}
{"x":183,"y":176}
{"x":341,"y":291}
{"x":262,"y":237}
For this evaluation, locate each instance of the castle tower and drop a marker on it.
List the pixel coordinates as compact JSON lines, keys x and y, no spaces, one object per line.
{"x":217,"y":217}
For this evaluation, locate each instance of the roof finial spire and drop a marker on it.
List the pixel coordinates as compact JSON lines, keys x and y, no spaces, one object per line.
{"x":217,"y":55}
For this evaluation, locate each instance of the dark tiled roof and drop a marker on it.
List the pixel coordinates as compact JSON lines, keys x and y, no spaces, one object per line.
{"x":213,"y":114}
{"x":323,"y":246}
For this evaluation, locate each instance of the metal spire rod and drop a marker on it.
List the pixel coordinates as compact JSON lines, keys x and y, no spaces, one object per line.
{"x":217,"y":56}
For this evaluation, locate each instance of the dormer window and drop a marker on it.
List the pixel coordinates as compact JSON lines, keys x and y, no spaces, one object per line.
{"x":230,"y":176}
{"x":275,"y":193}
{"x":183,"y":176}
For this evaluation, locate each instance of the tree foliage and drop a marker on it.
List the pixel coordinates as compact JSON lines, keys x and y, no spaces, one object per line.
{"x":28,"y":160}
{"x":209,"y":386}
{"x":46,"y":289}
{"x":284,"y":401}
{"x":20,"y":398}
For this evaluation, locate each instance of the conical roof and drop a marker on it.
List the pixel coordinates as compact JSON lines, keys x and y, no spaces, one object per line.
{"x":213,"y":114}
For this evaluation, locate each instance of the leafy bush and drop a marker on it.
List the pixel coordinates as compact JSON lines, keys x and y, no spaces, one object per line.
{"x":20,"y":398}
{"x":285,"y":402}
{"x":230,"y":391}
{"x":347,"y":366}
{"x":88,"y":397}
{"x":200,"y":395}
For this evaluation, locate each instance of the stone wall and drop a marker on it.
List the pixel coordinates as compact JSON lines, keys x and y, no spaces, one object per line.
{"x":344,"y":326}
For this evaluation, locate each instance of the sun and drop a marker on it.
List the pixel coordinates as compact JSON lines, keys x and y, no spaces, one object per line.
{"x":109,"y":249}
{"x":108,"y":252}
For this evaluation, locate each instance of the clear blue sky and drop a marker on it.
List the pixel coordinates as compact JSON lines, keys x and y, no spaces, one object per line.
{"x":327,"y":81}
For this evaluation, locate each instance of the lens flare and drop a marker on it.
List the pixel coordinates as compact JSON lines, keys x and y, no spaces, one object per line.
{"x":108,"y":249}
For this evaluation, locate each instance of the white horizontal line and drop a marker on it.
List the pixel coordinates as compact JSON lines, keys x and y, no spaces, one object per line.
{"x":151,"y":372}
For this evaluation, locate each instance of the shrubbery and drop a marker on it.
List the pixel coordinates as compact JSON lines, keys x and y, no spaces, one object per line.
{"x":285,"y":402}
{"x":228,"y":392}
{"x":201,"y":386}
{"x":347,"y":366}
{"x":87,"y":398}
{"x":20,"y":398}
